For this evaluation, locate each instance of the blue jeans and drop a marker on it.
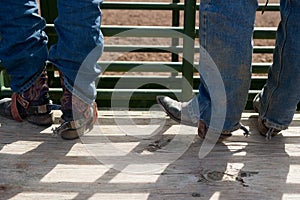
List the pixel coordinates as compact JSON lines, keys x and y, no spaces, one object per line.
{"x":226,"y":34}
{"x":23,"y":44}
{"x":281,"y":93}
{"x":226,"y":29}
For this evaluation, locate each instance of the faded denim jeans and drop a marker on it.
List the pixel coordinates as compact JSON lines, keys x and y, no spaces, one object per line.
{"x":23,"y":44}
{"x":226,"y":29}
{"x":281,"y":93}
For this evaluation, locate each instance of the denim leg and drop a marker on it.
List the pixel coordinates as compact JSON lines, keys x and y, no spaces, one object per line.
{"x":281,"y":92}
{"x":79,"y":46}
{"x":226,"y":29}
{"x":23,"y":44}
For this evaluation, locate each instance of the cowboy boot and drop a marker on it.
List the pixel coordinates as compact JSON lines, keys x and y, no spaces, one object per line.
{"x":33,"y":104}
{"x":77,"y":117}
{"x":186,"y":113}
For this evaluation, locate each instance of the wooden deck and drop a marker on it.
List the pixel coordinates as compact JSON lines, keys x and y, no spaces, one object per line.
{"x":154,"y":160}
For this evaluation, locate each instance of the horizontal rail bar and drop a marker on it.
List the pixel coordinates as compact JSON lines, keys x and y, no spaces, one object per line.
{"x":263,"y":49}
{"x":168,"y":6}
{"x":159,"y":82}
{"x":133,"y":31}
{"x":163,"y":31}
{"x":142,"y":48}
{"x":123,"y":66}
{"x":270,"y":7}
{"x":169,"y":49}
{"x":260,"y":67}
{"x":259,"y":32}
{"x":264,"y":32}
{"x":142,"y":6}
{"x":142,"y":31}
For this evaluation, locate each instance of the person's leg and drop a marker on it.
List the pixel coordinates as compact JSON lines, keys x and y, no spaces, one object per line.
{"x":226,"y":30}
{"x":281,"y":93}
{"x":79,"y":46}
{"x":23,"y":52}
{"x":225,"y":33}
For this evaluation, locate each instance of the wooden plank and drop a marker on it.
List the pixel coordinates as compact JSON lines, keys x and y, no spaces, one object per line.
{"x":144,"y":155}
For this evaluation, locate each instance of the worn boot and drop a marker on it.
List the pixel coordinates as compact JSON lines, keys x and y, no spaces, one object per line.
{"x":33,"y":104}
{"x":266,"y":131}
{"x":202,"y":131}
{"x":262,"y":128}
{"x":186,"y":113}
{"x":78,"y":117}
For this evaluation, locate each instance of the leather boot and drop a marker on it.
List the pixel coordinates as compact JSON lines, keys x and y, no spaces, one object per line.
{"x":78,"y":117}
{"x":33,"y":104}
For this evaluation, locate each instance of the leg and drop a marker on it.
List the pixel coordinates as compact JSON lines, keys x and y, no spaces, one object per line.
{"x":281,"y":93}
{"x":226,"y":34}
{"x":23,"y":53}
{"x":79,"y":46}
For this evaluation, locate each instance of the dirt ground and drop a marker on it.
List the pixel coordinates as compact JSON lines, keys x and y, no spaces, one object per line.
{"x":163,"y":18}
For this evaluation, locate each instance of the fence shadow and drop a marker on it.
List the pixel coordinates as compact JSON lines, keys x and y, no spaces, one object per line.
{"x":120,"y":162}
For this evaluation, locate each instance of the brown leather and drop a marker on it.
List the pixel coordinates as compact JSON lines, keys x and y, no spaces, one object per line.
{"x":202,"y":131}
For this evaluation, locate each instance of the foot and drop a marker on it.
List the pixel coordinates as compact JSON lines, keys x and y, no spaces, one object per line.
{"x":180,"y":111}
{"x":33,"y":104}
{"x":78,"y":117}
{"x":268,"y":133}
{"x":75,"y":125}
{"x":262,"y":128}
{"x":202,"y":131}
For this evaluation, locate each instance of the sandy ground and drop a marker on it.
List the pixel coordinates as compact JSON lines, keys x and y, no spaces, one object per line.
{"x":163,"y":18}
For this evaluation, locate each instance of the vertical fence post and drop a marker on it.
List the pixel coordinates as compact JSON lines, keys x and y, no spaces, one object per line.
{"x":1,"y":81}
{"x":49,"y":13}
{"x":188,"y":49}
{"x":48,"y":9}
{"x":175,"y":22}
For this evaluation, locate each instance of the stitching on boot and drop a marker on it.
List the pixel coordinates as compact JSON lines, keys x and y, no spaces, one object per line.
{"x":14,"y":109}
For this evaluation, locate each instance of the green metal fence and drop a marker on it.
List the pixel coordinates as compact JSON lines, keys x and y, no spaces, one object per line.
{"x":144,"y":96}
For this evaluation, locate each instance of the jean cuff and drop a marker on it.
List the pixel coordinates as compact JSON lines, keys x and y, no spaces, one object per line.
{"x":30,"y":82}
{"x":77,"y":93}
{"x":270,"y":124}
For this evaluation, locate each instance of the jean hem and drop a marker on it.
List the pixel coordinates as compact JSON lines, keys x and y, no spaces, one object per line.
{"x":224,"y":131}
{"x":270,"y":124}
{"x":30,"y":82}
{"x":77,"y":93}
